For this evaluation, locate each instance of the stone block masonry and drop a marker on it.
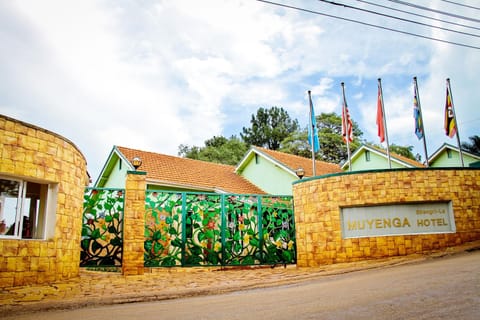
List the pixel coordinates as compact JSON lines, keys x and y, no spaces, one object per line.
{"x":134,"y":224}
{"x":34,"y":154}
{"x":319,"y":202}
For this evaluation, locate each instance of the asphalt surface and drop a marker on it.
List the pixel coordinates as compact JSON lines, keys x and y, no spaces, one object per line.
{"x":95,"y":289}
{"x":429,"y":289}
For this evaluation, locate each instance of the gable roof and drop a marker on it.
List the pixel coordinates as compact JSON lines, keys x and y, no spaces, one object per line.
{"x":446,"y":146}
{"x":289,"y":162}
{"x":404,"y":161}
{"x":171,"y":171}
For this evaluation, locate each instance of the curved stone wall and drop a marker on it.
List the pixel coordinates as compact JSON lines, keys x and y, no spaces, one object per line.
{"x":319,"y":202}
{"x":34,"y":154}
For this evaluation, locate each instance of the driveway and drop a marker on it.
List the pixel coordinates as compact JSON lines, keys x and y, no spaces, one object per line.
{"x":441,"y":288}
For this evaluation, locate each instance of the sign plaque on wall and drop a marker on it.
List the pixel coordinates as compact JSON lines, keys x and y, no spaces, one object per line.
{"x":397,"y":219}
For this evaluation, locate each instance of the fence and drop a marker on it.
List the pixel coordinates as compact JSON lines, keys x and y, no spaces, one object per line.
{"x":191,"y":229}
{"x":102,"y":228}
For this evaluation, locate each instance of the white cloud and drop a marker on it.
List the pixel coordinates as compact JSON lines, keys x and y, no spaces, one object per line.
{"x":154,"y":75}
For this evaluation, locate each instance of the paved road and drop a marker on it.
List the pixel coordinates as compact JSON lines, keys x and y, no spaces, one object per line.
{"x":442,"y":288}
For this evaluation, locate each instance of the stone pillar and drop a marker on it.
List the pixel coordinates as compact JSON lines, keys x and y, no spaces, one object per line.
{"x":134,"y":223}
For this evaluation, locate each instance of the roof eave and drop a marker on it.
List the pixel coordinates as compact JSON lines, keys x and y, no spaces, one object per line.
{"x":104,"y":172}
{"x":242,"y":164}
{"x":171,"y":184}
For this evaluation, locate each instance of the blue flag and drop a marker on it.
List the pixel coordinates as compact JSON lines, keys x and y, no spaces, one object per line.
{"x":313,"y":125}
{"x":417,"y":115}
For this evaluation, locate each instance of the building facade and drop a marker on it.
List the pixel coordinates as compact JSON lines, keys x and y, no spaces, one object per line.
{"x":42,"y":181}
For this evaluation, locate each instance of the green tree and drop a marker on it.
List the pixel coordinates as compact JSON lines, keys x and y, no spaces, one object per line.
{"x":297,"y":143}
{"x":473,"y":146}
{"x":332,"y":147}
{"x":217,"y":149}
{"x":185,"y":151}
{"x":269,"y":127}
{"x":405,"y":151}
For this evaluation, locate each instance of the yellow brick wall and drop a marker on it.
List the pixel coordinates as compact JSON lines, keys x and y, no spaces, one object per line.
{"x":318,"y":204}
{"x":33,"y":153}
{"x":134,"y":223}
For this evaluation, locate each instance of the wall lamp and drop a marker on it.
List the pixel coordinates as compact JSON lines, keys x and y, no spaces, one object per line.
{"x":300,"y":172}
{"x":136,"y":162}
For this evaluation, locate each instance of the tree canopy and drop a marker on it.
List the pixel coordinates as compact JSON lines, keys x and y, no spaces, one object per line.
{"x":269,"y":127}
{"x":217,"y":149}
{"x":405,"y":151}
{"x":274,"y":129}
{"x":297,"y":143}
{"x":332,"y":147}
{"x":473,"y":146}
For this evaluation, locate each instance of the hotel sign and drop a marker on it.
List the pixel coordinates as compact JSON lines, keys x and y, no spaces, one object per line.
{"x":397,"y":219}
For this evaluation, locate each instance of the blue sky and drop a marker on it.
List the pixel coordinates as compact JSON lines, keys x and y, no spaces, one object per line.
{"x":156,"y":74}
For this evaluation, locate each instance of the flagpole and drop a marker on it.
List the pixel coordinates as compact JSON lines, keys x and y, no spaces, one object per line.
{"x":456,"y":123}
{"x":313,"y":132}
{"x":345,"y":125}
{"x":384,"y":122}
{"x":421,"y":117}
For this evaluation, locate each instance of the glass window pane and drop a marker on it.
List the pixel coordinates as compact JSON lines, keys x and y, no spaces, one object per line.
{"x":31,"y":210}
{"x":9,"y":203}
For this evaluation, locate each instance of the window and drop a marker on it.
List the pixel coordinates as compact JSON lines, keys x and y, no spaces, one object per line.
{"x":367,"y":155}
{"x":449,"y":154}
{"x":25,"y":208}
{"x":256,"y":159}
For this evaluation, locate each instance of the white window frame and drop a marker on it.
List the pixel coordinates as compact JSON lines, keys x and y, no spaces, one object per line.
{"x":44,"y":227}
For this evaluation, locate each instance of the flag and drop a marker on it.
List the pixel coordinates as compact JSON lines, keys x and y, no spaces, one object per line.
{"x":347,"y":125}
{"x":450,"y":125}
{"x":380,"y":116}
{"x":417,"y":115}
{"x":313,"y":125}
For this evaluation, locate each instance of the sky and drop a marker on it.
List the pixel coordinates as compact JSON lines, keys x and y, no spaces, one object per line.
{"x":152,"y":75}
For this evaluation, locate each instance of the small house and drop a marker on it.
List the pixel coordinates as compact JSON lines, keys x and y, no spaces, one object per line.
{"x":170,"y":173}
{"x":371,"y":158}
{"x":449,"y":156}
{"x":275,"y":171}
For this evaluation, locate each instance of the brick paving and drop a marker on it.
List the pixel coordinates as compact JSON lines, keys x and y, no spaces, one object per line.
{"x":94,"y":288}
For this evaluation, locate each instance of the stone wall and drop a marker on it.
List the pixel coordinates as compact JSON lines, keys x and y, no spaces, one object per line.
{"x":35,"y":154}
{"x":318,"y":203}
{"x":134,"y":223}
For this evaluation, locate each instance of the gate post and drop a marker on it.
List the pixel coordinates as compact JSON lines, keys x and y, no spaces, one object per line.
{"x":134,"y":223}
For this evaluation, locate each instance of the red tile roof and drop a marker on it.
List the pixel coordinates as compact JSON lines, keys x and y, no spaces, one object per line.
{"x":294,"y":162}
{"x":189,"y":173}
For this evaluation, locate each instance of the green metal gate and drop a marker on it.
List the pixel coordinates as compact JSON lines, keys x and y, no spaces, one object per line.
{"x":102,"y":228}
{"x":197,"y":229}
{"x":191,"y":229}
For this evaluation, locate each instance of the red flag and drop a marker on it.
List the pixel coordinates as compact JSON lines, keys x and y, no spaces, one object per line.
{"x":347,"y":131}
{"x":450,"y":125}
{"x":380,"y":117}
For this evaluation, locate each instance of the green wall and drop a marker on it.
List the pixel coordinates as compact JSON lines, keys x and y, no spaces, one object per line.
{"x":443,"y":160}
{"x":376,"y":162}
{"x":117,"y":177}
{"x":268,"y":176}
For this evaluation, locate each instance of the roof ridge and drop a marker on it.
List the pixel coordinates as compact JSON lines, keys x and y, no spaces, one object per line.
{"x":188,"y":173}
{"x":177,"y":157}
{"x":292,"y":155}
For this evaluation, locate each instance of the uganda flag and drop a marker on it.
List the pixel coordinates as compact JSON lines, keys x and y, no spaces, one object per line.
{"x":450,"y":124}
